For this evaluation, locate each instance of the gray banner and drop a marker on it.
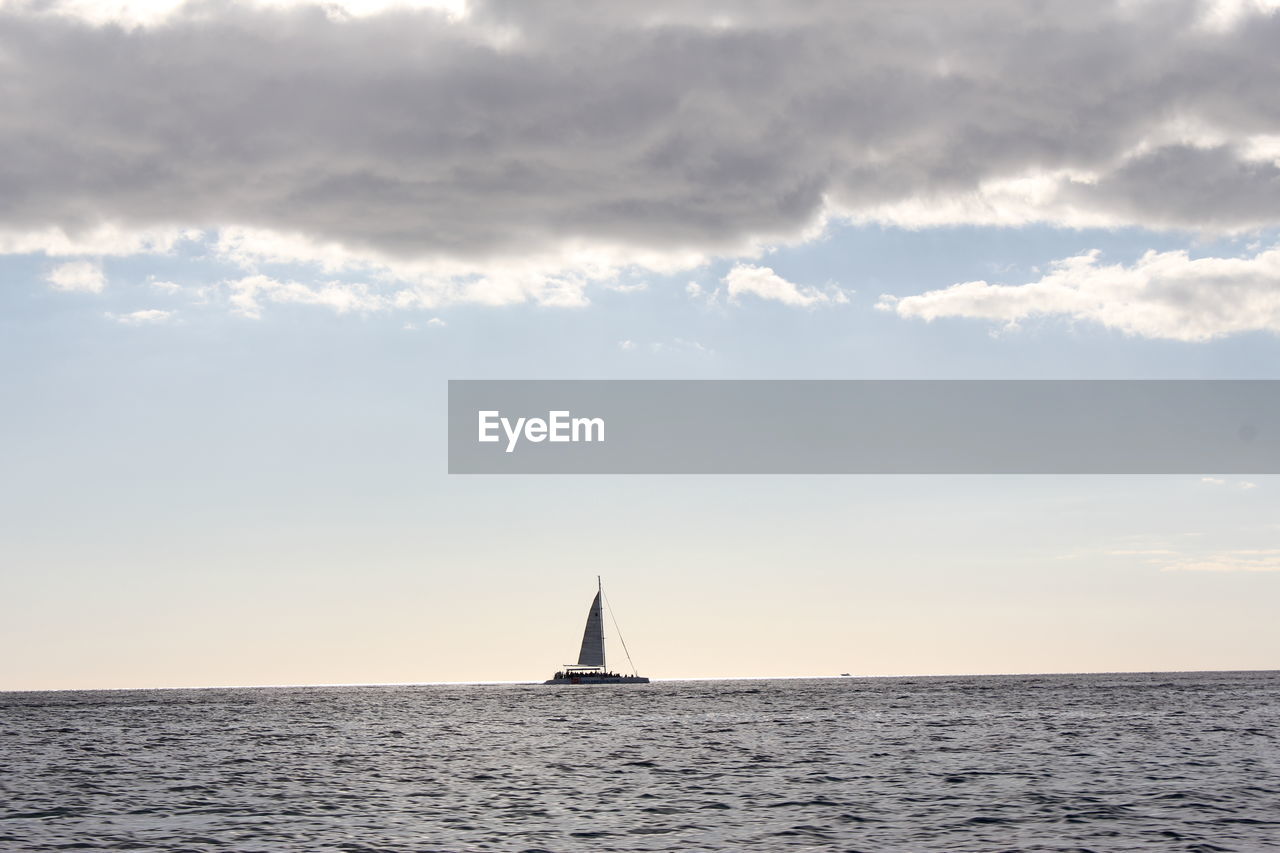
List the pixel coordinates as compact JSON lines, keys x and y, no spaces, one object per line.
{"x":864,"y":427}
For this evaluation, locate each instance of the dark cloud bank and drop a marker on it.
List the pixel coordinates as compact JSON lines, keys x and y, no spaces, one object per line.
{"x":658,"y":126}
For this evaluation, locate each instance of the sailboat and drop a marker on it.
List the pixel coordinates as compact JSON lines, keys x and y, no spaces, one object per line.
{"x":590,"y":668}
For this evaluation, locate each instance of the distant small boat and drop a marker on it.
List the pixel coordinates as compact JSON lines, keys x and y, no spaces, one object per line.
{"x":590,"y":668}
{"x":845,"y":675}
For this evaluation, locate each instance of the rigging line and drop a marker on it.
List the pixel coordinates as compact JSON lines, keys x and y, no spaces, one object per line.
{"x":618,"y":631}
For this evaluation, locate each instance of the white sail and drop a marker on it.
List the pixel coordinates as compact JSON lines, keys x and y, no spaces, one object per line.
{"x":592,"y":653}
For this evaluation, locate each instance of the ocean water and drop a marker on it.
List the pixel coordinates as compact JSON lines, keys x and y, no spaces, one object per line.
{"x":1083,"y":762}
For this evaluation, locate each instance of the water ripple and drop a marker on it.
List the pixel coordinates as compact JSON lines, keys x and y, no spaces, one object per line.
{"x":1036,"y":763}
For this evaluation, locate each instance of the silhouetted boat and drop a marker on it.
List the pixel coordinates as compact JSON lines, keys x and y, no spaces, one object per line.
{"x":590,"y":668}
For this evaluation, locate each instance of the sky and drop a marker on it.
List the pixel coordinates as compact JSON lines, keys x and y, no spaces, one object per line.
{"x":243,"y":247}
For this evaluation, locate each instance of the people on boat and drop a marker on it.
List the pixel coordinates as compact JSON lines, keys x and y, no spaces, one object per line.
{"x":587,"y":674}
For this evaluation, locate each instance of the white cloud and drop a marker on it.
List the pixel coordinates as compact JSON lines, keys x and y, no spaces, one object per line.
{"x":1213,"y":481}
{"x":1258,"y":560}
{"x":554,"y":277}
{"x":436,"y":321}
{"x":766,"y":284}
{"x":99,"y":241}
{"x":147,"y":316}
{"x":636,"y":287}
{"x":675,"y":345}
{"x":164,"y":286}
{"x":1222,"y":15}
{"x":79,"y":276}
{"x":1163,"y":295}
{"x":626,"y":345}
{"x":247,"y":294}
{"x":132,"y":13}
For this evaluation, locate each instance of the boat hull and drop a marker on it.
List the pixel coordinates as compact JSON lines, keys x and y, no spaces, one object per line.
{"x":584,"y":680}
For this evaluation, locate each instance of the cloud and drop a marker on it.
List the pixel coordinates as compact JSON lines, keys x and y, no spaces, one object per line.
{"x":634,"y":287}
{"x":691,"y":346}
{"x":679,"y":346}
{"x":519,"y":149}
{"x":162,"y":285}
{"x":132,"y":13}
{"x":80,"y":276}
{"x":247,"y":294}
{"x":1243,"y":485}
{"x":147,"y":316}
{"x":19,"y":237}
{"x":555,"y":277}
{"x":766,"y":284}
{"x":1261,"y":560}
{"x":1163,"y":295}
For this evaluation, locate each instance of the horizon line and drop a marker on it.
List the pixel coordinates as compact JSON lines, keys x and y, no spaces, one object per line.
{"x":652,"y":680}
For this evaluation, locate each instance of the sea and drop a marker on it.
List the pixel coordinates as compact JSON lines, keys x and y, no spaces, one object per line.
{"x":1166,"y":762}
